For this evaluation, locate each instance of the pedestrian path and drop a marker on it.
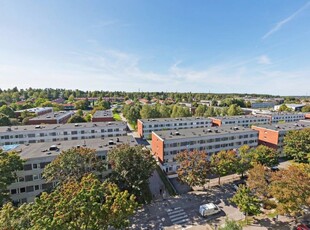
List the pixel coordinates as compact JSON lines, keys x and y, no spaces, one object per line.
{"x":177,"y":216}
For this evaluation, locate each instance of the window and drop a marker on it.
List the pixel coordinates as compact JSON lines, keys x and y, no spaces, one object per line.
{"x":36,"y":177}
{"x":36,"y":187}
{"x":29,"y":189}
{"x":27,"y":167}
{"x":34,"y":166}
{"x":21,"y":179}
{"x":22,"y":190}
{"x":13,"y":191}
{"x":28,"y":178}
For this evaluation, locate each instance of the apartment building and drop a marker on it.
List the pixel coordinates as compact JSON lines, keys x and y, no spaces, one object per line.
{"x":245,"y":121}
{"x":167,"y":144}
{"x":284,"y":117}
{"x":102,"y":116}
{"x":60,"y":117}
{"x":30,"y":183}
{"x":60,"y":132}
{"x":147,"y":126}
{"x":272,"y":135}
{"x":37,"y":111}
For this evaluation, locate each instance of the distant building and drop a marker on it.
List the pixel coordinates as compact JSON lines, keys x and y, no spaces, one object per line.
{"x":264,"y":104}
{"x":273,"y":135}
{"x":245,"y":120}
{"x":294,"y":107}
{"x":60,"y":117}
{"x":68,"y":106}
{"x":30,"y":183}
{"x":102,"y":116}
{"x":36,"y":111}
{"x":59,"y":100}
{"x":144,"y":101}
{"x":283,"y":117}
{"x":167,"y":144}
{"x":147,"y":126}
{"x":60,"y":132}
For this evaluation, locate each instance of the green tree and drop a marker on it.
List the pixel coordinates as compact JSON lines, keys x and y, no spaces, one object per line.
{"x":9,"y":163}
{"x":76,"y":119}
{"x":258,"y":179}
{"x":246,"y":202}
{"x":85,"y":204}
{"x":231,"y":225}
{"x":194,"y":167}
{"x":8,"y":111}
{"x":234,"y":110}
{"x":131,"y":168}
{"x":82,"y":104}
{"x":4,"y":120}
{"x":71,"y":98}
{"x":284,"y":108}
{"x":265,"y":156}
{"x":200,"y":110}
{"x":210,"y":112}
{"x":165,"y":111}
{"x":306,"y":109}
{"x":223,"y":163}
{"x":291,"y":188}
{"x":244,"y":159}
{"x":297,"y":145}
{"x":73,"y":163}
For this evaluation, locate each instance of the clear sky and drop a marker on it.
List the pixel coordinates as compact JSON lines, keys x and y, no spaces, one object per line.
{"x":258,"y":46}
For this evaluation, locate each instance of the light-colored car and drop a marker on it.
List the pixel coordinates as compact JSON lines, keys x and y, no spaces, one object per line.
{"x":208,"y":209}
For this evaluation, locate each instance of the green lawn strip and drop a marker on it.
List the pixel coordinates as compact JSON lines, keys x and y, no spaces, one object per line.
{"x":117,"y":117}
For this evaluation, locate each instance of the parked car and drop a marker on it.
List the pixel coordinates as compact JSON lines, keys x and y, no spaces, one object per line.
{"x":208,"y":209}
{"x":303,"y":227}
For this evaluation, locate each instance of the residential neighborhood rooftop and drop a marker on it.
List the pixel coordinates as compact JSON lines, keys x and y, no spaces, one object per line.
{"x":103,"y":113}
{"x":210,"y":131}
{"x":285,"y":126}
{"x":160,"y":120}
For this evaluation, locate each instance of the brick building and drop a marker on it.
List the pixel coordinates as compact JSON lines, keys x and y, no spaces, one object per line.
{"x":102,"y":116}
{"x":167,"y":144}
{"x":60,"y":117}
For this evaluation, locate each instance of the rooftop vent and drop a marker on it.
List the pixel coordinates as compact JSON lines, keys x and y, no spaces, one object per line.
{"x":100,"y":146}
{"x":9,"y":129}
{"x":177,"y":133}
{"x":117,"y":139}
{"x":209,"y":130}
{"x":76,"y":124}
{"x":37,"y":127}
{"x":236,"y":128}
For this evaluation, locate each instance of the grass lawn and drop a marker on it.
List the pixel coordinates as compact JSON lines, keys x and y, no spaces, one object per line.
{"x":117,"y":117}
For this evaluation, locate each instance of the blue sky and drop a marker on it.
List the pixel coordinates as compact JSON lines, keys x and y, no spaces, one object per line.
{"x":222,"y":46}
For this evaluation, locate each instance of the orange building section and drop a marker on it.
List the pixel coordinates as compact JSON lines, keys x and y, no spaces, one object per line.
{"x":216,"y":122}
{"x":158,"y":147}
{"x":267,"y":137}
{"x":140,"y":128}
{"x":307,"y":116}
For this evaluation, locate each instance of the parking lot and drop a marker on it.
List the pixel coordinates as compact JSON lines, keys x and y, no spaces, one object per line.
{"x":182,"y":212}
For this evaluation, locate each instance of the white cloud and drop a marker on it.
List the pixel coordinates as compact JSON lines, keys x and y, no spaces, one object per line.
{"x":115,"y":70}
{"x":264,"y":60}
{"x":279,"y":25}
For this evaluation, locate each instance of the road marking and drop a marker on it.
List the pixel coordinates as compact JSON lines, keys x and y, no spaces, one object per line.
{"x":177,"y":216}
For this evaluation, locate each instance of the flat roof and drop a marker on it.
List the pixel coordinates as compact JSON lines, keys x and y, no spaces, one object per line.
{"x":52,"y":115}
{"x":37,"y":150}
{"x":286,"y":126}
{"x":35,"y":110}
{"x":19,"y":128}
{"x":103,"y":113}
{"x":160,"y":120}
{"x":236,"y":117}
{"x":196,"y":132}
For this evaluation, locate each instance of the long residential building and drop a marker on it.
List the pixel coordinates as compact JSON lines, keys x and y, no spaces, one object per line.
{"x":167,"y":144}
{"x":60,"y":117}
{"x":245,"y":121}
{"x":284,"y":117}
{"x":30,"y":183}
{"x":147,"y":126}
{"x":60,"y":132}
{"x":272,"y":135}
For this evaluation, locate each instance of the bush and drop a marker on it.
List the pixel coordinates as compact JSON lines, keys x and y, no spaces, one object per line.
{"x":269,"y":204}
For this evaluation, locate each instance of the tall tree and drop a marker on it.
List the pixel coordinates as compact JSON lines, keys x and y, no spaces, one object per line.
{"x":246,"y":202}
{"x":291,"y":188}
{"x":88,"y":204}
{"x":10,"y":162}
{"x":194,"y":167}
{"x":8,"y":111}
{"x":244,"y":159}
{"x":73,"y":163}
{"x":234,"y":110}
{"x":4,"y":120}
{"x":297,"y":145}
{"x":131,"y":167}
{"x":265,"y":156}
{"x":223,"y":163}
{"x":76,"y":119}
{"x":258,"y":179}
{"x":200,"y":110}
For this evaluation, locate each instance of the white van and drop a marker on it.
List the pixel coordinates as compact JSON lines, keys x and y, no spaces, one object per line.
{"x":208,"y":209}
